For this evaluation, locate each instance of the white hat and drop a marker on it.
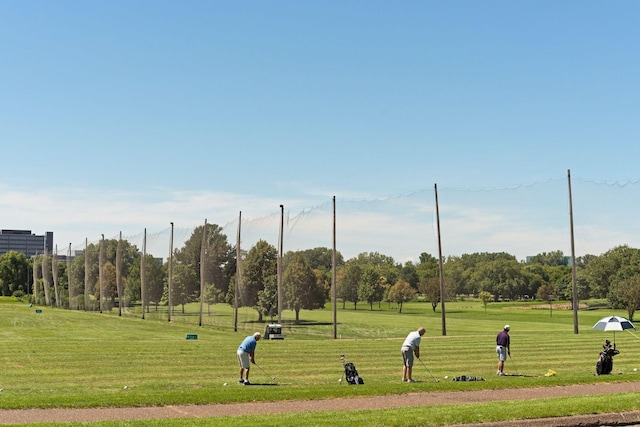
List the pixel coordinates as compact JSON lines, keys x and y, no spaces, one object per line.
{"x":507,"y":327}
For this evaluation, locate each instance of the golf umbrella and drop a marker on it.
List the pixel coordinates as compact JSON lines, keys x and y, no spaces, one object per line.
{"x":613,"y":323}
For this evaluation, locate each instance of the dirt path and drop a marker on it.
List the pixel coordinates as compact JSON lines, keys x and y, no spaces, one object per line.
{"x":347,"y":404}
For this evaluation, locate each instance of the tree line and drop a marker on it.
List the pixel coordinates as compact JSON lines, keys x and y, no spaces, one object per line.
{"x":206,"y":270}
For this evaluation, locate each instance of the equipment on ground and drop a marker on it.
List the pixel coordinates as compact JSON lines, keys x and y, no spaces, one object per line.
{"x":273,"y":331}
{"x":350,"y":372}
{"x":467,"y":378}
{"x":604,"y":365}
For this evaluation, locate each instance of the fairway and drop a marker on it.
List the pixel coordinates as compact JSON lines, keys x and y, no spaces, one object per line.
{"x":61,"y":358}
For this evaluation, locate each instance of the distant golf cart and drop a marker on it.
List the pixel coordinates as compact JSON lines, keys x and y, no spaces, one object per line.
{"x":273,"y":332}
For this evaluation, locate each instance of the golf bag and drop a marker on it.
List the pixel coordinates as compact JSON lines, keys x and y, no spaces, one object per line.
{"x":604,"y":365}
{"x":350,"y":372}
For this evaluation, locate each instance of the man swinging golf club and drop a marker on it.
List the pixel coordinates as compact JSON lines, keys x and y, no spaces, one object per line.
{"x":246,"y":356}
{"x":410,"y":347}
{"x":503,"y":348}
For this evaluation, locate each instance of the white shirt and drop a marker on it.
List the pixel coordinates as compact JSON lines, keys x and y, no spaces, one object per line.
{"x":413,"y":340}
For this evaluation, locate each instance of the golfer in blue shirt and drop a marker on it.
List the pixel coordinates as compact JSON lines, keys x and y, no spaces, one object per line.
{"x":246,"y":356}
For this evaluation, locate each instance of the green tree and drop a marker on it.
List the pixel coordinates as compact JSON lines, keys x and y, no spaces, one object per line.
{"x":183,"y":279}
{"x":409,"y":273}
{"x":370,"y":287}
{"x":259,"y":266}
{"x":401,"y":292}
{"x":14,"y":273}
{"x":155,"y":276}
{"x":301,"y":290}
{"x":485,"y":297}
{"x":267,"y":303}
{"x":625,"y":293}
{"x":552,"y":259}
{"x":384,"y":264}
{"x":546,"y":293}
{"x":348,"y":281}
{"x":600,"y":272}
{"x":220,"y":262}
{"x":430,"y":287}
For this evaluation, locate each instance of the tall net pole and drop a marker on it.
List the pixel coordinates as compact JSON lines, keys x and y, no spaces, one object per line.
{"x":279,"y":264}
{"x":573,"y":261}
{"x":86,"y":274}
{"x":119,"y":274}
{"x":54,"y":273}
{"x":334,"y":290}
{"x":72,"y":295}
{"x":36,"y":291}
{"x":170,"y":273}
{"x":203,"y":267}
{"x":143,"y":288}
{"x":442,"y":290}
{"x":45,"y":279}
{"x":238,"y":276}
{"x":100,"y":274}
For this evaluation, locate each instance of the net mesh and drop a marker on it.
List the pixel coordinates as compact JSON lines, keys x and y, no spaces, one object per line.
{"x":215,"y":282}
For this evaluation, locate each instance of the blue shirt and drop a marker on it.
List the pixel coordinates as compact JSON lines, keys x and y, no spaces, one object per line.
{"x":248,"y":344}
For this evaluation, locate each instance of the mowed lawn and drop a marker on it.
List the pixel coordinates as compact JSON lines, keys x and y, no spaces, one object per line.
{"x":61,"y":358}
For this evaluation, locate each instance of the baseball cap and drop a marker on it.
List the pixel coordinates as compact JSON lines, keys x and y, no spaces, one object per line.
{"x":507,"y":327}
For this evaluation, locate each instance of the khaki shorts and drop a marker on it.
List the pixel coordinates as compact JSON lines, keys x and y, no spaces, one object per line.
{"x":243,"y":359}
{"x":407,"y":356}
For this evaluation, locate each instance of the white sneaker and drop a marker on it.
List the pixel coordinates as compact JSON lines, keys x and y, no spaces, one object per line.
{"x":498,"y":372}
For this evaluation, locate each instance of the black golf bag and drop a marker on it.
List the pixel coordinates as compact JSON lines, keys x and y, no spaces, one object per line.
{"x":604,"y":365}
{"x":350,"y":372}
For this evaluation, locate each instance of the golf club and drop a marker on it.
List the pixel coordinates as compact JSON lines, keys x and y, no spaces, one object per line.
{"x":425,"y":367}
{"x":265,"y":372}
{"x":514,"y":365}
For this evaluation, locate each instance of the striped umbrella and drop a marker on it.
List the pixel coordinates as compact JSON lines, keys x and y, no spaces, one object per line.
{"x":613,"y":323}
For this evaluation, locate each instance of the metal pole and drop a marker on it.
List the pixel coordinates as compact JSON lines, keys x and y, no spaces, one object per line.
{"x":334,"y":291}
{"x":573,"y":260}
{"x":279,"y":265}
{"x":170,"y":273}
{"x":238,"y":276}
{"x":101,"y":263}
{"x":204,"y":253}
{"x":143,"y":292}
{"x":442,"y":291}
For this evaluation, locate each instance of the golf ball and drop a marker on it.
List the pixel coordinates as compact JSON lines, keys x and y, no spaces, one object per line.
{"x":635,"y":369}
{"x":446,"y":376}
{"x":126,"y":386}
{"x":340,"y":380}
{"x":224,"y":384}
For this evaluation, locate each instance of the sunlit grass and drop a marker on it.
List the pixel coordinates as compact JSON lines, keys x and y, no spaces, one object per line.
{"x":61,"y":358}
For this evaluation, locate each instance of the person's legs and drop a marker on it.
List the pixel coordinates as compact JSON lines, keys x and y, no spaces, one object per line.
{"x":407,"y":361}
{"x":502,"y":356}
{"x":243,"y":361}
{"x":407,"y":358}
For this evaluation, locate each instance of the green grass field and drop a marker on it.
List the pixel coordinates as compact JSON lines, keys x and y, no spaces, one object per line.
{"x":61,"y":358}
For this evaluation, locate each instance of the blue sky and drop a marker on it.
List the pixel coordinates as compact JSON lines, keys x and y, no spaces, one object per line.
{"x":125,"y":115}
